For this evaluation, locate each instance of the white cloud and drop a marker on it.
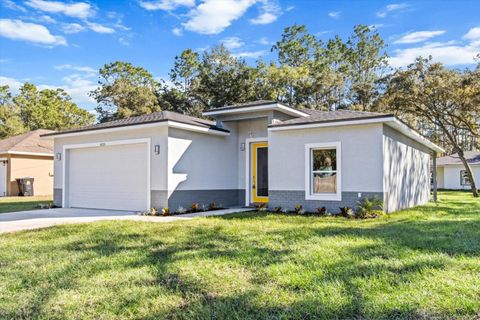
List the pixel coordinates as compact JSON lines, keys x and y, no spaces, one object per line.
{"x":123,"y":41}
{"x":213,"y":16}
{"x":47,"y":19}
{"x":166,"y":5}
{"x":474,"y":35}
{"x":12,"y":5}
{"x":26,"y":31}
{"x":264,"y":18}
{"x":233,"y":43}
{"x":264,"y":41}
{"x":88,"y":70}
{"x":449,"y":53}
{"x":334,"y":14}
{"x":270,"y":13}
{"x":177,"y":31}
{"x":290,"y":8}
{"x":12,"y":83}
{"x":80,"y":10}
{"x":78,"y":87}
{"x":392,"y":7}
{"x":249,"y":54}
{"x":419,"y":36}
{"x":98,"y":28}
{"x":72,"y":28}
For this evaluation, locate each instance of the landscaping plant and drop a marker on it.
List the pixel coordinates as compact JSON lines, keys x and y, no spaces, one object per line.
{"x":369,"y":208}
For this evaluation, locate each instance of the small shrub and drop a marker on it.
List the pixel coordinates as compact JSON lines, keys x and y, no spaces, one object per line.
{"x":277,"y":209}
{"x":321,"y":211}
{"x":212,"y":206}
{"x":298,"y":208}
{"x":347,"y":212}
{"x":194,"y":207}
{"x":165,"y":212}
{"x":181,"y":210}
{"x":369,"y":207}
{"x":203,"y":207}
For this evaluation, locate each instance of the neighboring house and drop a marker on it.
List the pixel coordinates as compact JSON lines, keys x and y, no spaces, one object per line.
{"x":451,"y":173}
{"x":254,"y":153}
{"x":26,"y":155}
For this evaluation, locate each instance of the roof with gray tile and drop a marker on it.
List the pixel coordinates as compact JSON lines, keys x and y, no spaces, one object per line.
{"x":29,"y":142}
{"x":246,"y":105}
{"x":473,"y":157}
{"x":318,"y":116}
{"x":145,"y":119}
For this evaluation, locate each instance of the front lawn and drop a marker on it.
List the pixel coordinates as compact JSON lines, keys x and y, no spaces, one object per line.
{"x":420,"y":263}
{"x":12,"y":204}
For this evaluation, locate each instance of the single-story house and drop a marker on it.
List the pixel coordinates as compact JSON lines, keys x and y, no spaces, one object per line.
{"x":26,"y":155}
{"x":260,"y":152}
{"x":451,"y":173}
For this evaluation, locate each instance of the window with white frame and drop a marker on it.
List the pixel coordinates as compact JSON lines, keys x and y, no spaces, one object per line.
{"x":464,"y":178}
{"x":323,"y":171}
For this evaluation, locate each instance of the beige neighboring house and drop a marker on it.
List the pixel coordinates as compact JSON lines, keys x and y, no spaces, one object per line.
{"x":26,"y":155}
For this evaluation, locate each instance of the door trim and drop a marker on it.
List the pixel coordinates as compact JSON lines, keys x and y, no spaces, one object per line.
{"x":255,"y":197}
{"x":248,"y":142}
{"x":100,"y":144}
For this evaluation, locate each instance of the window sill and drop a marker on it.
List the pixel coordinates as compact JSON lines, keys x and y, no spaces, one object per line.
{"x":324,"y":197}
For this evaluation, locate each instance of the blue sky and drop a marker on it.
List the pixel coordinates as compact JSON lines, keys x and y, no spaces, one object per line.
{"x":63,"y":43}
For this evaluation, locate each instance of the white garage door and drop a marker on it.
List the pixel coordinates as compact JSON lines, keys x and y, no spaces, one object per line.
{"x":109,"y":177}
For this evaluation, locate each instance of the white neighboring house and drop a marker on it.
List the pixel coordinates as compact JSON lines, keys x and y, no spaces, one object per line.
{"x":451,"y":173}
{"x":259,"y":152}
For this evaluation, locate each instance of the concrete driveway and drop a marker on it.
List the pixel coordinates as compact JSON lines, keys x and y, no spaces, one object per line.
{"x":35,"y":219}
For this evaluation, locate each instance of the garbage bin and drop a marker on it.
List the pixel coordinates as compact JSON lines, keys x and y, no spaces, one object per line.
{"x":25,"y":186}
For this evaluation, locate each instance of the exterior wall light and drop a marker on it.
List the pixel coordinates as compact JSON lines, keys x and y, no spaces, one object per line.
{"x":58,"y":156}
{"x":157,"y":149}
{"x":242,"y":146}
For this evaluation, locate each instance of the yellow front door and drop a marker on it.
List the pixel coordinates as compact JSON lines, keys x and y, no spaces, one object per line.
{"x":259,"y":172}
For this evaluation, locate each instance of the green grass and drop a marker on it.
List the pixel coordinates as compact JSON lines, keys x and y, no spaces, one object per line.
{"x":420,"y":263}
{"x":12,"y":204}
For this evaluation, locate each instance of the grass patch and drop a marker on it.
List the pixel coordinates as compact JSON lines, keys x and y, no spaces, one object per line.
{"x":12,"y":204}
{"x":418,"y":263}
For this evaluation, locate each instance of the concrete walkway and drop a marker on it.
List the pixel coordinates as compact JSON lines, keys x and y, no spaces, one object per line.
{"x":35,"y":219}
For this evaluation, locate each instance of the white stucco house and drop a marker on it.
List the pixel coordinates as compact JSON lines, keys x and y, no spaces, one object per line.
{"x":451,"y":173}
{"x":260,"y":152}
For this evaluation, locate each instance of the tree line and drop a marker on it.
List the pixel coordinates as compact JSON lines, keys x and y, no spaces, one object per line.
{"x":353,"y":73}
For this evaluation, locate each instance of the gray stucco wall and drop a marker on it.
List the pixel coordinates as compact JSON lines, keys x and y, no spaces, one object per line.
{"x":361,"y":161}
{"x":158,"y":136}
{"x":57,"y":197}
{"x":406,"y":170}
{"x":289,"y":199}
{"x":185,"y":198}
{"x":203,"y":169}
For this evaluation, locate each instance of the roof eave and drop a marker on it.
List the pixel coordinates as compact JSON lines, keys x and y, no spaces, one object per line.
{"x":259,"y":107}
{"x":163,"y":122}
{"x":389,"y":120}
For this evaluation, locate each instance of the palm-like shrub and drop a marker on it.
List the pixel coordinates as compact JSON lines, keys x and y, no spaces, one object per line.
{"x":369,"y":208}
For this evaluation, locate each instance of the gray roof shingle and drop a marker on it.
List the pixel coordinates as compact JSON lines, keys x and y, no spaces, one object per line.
{"x":144,"y":119}
{"x":317,"y":116}
{"x":29,"y":142}
{"x":245,"y":105}
{"x":473,"y":157}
